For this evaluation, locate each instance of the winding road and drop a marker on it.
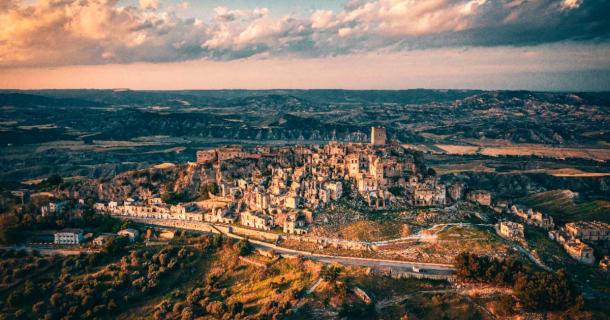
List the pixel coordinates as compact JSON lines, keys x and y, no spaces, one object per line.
{"x":422,"y":268}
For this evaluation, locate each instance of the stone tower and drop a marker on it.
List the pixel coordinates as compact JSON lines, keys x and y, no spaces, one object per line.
{"x":378,"y":136}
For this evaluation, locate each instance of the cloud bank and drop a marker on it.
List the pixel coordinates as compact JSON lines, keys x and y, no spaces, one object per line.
{"x":88,"y":32}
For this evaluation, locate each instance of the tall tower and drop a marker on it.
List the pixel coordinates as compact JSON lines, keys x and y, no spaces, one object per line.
{"x":378,"y":136}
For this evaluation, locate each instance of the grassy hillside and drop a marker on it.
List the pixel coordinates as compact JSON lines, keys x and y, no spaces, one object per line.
{"x":565,"y":205}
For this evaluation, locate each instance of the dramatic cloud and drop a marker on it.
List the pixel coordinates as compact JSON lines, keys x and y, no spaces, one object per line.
{"x":76,"y":32}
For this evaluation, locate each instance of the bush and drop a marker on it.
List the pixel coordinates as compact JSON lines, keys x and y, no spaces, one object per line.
{"x":216,"y":308}
{"x":245,"y":247}
{"x":330,"y":274}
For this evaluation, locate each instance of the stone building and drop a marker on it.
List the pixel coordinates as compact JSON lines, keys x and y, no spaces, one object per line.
{"x":480,"y":196}
{"x":256,"y":220}
{"x":511,"y":230}
{"x":535,"y":218}
{"x":206,"y":156}
{"x":219,"y":215}
{"x":456,"y":191}
{"x":589,"y":230}
{"x":378,"y":136}
{"x":577,"y":249}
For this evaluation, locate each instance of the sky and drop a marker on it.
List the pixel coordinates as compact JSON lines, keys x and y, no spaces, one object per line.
{"x":550,"y":45}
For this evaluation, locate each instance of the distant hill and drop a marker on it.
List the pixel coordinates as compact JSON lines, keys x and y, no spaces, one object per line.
{"x":31,"y":100}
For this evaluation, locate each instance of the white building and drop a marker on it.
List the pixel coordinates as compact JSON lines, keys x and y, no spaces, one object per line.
{"x":69,"y":236}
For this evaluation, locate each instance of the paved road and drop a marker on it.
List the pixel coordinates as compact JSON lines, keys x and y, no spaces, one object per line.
{"x":395,"y":266}
{"x":378,"y":264}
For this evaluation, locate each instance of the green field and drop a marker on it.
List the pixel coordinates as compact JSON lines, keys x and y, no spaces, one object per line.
{"x":564,"y":205}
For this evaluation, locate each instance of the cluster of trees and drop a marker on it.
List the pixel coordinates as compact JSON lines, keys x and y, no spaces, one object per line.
{"x":13,"y":224}
{"x":198,"y":302}
{"x":184,"y":196}
{"x":486,"y":269}
{"x":213,"y":295}
{"x":78,"y":292}
{"x":537,"y":291}
{"x":175,"y":197}
{"x":16,"y":264}
{"x":207,"y":189}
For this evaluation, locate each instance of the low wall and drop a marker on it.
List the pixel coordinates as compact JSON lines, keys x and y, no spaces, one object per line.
{"x":251,"y":233}
{"x":335,"y":243}
{"x":268,"y":236}
{"x":416,"y":275}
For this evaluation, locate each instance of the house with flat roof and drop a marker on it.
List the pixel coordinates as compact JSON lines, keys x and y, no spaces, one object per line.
{"x":69,"y":236}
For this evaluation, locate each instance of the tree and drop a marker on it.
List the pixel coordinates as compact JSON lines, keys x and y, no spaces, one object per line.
{"x":53,"y":180}
{"x":330,"y":274}
{"x":116,"y":246}
{"x":39,"y":308}
{"x":216,"y":308}
{"x":245,"y":247}
{"x":112,"y":306}
{"x":10,"y":229}
{"x":14,"y":299}
{"x":187,"y":314}
{"x":207,"y":189}
{"x":236,"y":307}
{"x":55,"y":299}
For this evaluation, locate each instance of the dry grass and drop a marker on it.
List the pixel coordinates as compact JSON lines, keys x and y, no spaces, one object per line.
{"x":453,"y":149}
{"x":570,"y":172}
{"x":254,"y":286}
{"x":165,"y":165}
{"x":529,"y":150}
{"x":370,"y":231}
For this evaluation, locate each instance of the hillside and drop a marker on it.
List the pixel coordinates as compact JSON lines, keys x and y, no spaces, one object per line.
{"x":565,"y":205}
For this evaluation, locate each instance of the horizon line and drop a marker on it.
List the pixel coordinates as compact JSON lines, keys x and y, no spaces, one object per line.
{"x":307,"y":89}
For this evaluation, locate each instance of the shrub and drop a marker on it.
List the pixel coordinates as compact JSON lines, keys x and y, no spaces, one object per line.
{"x":330,"y":273}
{"x":245,"y":247}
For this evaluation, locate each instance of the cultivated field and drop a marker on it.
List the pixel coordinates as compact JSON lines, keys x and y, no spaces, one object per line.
{"x":539,"y":150}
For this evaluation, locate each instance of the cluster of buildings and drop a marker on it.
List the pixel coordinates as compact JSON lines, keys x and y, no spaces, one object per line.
{"x":382,"y":172}
{"x":573,"y":237}
{"x":76,"y":236}
{"x":532,"y":217}
{"x":300,"y":179}
{"x":279,"y":187}
{"x":151,"y":208}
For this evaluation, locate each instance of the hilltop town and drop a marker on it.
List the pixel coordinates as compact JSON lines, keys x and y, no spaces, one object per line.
{"x":285,"y":189}
{"x":268,"y":187}
{"x":353,"y":203}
